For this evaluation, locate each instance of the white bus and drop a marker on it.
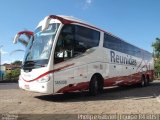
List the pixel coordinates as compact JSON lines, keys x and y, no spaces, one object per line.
{"x":65,"y":54}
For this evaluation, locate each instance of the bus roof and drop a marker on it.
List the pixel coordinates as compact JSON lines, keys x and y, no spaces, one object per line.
{"x":70,"y":19}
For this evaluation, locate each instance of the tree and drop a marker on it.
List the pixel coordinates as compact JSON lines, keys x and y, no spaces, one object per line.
{"x":156,"y":46}
{"x":156,"y":54}
{"x":17,"y":62}
{"x":13,"y":75}
{"x":15,"y":71}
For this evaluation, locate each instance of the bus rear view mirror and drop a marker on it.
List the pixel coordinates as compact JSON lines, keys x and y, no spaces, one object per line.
{"x":18,"y":38}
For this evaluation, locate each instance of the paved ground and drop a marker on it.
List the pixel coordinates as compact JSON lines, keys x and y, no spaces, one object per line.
{"x":115,"y":100}
{"x":5,"y":86}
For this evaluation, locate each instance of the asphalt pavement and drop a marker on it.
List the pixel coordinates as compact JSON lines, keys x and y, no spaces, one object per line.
{"x":6,"y":86}
{"x":141,"y":101}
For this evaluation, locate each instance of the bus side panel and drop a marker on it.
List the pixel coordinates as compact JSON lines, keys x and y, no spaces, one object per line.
{"x":72,"y":79}
{"x":63,"y":78}
{"x":122,"y":73}
{"x":81,"y":73}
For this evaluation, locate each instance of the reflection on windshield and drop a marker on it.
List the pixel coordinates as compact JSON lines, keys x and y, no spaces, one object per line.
{"x":39,"y":49}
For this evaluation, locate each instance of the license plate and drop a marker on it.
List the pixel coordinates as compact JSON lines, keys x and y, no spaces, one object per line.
{"x":26,"y":86}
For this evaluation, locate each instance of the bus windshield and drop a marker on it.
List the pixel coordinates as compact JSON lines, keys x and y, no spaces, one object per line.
{"x":39,"y":48}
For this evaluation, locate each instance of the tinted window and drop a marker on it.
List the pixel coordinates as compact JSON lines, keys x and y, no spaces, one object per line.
{"x":125,"y":47}
{"x":85,"y":38}
{"x":112,"y":42}
{"x":138,"y":52}
{"x":73,"y":41}
{"x":130,"y":50}
{"x":147,"y":55}
{"x":65,"y":44}
{"x":121,"y":46}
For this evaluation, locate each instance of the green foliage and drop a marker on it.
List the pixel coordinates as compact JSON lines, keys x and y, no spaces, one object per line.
{"x":157,"y":65}
{"x":8,"y":76}
{"x":17,"y":62}
{"x":156,"y":46}
{"x":13,"y":75}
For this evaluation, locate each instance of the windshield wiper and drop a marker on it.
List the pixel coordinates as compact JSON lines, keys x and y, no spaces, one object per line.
{"x":31,"y":64}
{"x":28,"y":63}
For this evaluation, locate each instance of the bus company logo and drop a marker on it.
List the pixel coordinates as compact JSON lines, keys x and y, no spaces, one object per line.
{"x":121,"y":59}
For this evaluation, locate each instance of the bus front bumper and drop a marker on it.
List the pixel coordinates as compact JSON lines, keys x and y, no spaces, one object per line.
{"x":35,"y":86}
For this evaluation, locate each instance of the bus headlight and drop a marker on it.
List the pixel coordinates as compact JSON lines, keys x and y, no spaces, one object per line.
{"x":44,"y":79}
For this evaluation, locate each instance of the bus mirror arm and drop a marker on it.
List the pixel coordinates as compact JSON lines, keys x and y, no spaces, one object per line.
{"x":46,"y":23}
{"x":27,"y":33}
{"x":16,"y":38}
{"x":48,"y":18}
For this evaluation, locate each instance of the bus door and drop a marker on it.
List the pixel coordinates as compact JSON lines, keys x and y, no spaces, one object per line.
{"x":63,"y":63}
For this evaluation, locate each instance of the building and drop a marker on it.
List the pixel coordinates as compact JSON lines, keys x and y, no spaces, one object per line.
{"x":10,"y":67}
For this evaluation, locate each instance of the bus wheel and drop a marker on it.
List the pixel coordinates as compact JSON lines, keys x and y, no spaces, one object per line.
{"x":143,"y":81}
{"x":147,"y":80}
{"x":94,"y":87}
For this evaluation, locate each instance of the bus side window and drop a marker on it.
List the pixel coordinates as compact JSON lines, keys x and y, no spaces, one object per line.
{"x":65,"y":45}
{"x":73,"y":41}
{"x":85,"y":38}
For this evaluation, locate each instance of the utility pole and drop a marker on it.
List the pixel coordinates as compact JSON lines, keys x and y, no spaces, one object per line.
{"x":0,"y":62}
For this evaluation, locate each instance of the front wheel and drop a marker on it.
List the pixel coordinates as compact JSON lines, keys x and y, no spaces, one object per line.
{"x":147,"y":80}
{"x":94,"y":87}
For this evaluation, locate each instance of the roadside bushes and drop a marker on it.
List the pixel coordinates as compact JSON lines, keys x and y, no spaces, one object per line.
{"x":12,"y":76}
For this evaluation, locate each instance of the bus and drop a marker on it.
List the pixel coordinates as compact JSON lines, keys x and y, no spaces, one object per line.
{"x":66,"y":54}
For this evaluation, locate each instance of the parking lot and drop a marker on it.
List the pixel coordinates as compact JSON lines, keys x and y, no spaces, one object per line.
{"x":119,"y":100}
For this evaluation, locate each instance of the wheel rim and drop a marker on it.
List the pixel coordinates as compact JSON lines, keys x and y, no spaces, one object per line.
{"x":142,"y":82}
{"x":96,"y":85}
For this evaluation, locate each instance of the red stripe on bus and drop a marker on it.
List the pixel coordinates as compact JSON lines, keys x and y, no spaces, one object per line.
{"x":51,"y":71}
{"x":27,"y":32}
{"x":79,"y":86}
{"x":114,"y":81}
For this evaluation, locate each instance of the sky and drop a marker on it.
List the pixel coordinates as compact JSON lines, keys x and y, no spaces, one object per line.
{"x":135,"y":21}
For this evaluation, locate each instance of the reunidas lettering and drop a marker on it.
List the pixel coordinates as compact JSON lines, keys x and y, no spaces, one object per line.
{"x":121,"y":59}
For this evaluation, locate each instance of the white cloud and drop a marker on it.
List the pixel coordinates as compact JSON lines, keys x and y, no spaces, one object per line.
{"x":9,"y":61}
{"x":87,"y":4}
{"x":6,"y":61}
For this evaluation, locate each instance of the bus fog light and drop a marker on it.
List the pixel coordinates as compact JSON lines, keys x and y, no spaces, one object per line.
{"x":44,"y":79}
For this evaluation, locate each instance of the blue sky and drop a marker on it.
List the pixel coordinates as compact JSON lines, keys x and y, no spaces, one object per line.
{"x":135,"y":21}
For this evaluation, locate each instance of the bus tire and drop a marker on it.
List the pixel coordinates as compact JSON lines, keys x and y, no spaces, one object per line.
{"x":147,"y":80}
{"x":93,"y":86}
{"x":143,"y":81}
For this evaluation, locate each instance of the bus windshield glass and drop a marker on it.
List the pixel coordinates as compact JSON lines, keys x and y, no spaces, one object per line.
{"x":39,"y":48}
